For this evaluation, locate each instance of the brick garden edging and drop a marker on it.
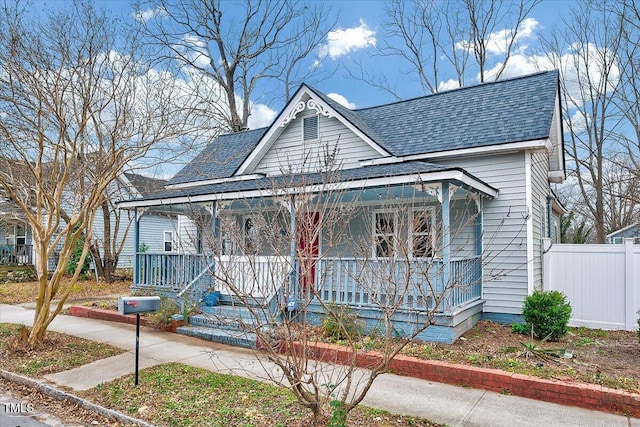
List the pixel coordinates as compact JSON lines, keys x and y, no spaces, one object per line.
{"x":114,"y":316}
{"x":589,"y":396}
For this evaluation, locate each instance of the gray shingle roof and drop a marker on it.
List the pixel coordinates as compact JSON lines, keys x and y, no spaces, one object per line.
{"x":220,"y":158}
{"x":346,"y":175}
{"x":144,"y":184}
{"x":519,"y":109}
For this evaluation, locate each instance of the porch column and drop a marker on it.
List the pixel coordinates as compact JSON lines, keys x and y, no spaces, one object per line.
{"x":292,"y":249}
{"x":136,"y":243}
{"x":479,"y":227}
{"x":446,"y":243}
{"x":215,"y":227}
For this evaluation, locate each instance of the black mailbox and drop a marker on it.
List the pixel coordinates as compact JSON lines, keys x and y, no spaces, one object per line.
{"x":137,"y":305}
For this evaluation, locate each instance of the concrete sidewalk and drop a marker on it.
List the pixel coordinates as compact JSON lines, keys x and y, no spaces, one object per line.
{"x":441,"y":403}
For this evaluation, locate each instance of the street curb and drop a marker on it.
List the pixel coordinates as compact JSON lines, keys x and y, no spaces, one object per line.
{"x":49,"y":390}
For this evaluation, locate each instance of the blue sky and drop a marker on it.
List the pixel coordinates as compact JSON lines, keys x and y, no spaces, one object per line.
{"x":356,"y":39}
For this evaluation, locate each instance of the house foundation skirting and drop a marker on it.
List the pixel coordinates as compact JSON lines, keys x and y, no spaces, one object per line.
{"x":445,"y":328}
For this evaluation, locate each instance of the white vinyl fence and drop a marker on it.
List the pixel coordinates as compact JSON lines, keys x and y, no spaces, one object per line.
{"x":602,"y":282}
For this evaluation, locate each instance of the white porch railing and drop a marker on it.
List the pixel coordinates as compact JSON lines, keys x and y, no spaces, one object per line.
{"x":411,"y":284}
{"x":255,"y":276}
{"x":415,"y":284}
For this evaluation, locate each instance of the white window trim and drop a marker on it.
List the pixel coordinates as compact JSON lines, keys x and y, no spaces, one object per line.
{"x":20,"y":236}
{"x":432,"y":213}
{"x":173,"y":241}
{"x":317,"y":116}
{"x":374,"y":234}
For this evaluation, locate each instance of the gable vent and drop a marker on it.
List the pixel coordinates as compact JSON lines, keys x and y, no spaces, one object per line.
{"x":310,"y":128}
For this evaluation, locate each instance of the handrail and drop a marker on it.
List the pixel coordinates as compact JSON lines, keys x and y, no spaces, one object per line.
{"x":195,"y":279}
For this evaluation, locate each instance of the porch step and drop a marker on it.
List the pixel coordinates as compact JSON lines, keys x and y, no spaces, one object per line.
{"x":235,"y":312}
{"x":224,"y":336}
{"x":236,"y":323}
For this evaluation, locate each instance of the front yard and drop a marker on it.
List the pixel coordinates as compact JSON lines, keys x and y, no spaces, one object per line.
{"x":26,"y":292}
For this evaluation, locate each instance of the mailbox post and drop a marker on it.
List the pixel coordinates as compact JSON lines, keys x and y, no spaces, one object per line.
{"x":137,"y":305}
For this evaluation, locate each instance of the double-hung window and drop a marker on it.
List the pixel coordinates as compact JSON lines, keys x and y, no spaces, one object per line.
{"x":384,"y":231}
{"x":422,"y":232}
{"x":169,"y":245}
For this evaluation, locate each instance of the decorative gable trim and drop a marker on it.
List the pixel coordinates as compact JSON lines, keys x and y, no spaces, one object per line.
{"x":289,"y":113}
{"x":301,"y":106}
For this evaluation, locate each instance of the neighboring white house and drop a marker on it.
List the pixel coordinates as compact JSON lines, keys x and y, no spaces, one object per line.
{"x":16,"y":244}
{"x":478,"y":160}
{"x":630,"y":232}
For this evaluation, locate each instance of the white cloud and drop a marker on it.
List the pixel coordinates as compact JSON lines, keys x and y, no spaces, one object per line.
{"x":195,"y":49}
{"x":498,"y":42}
{"x":145,"y":15}
{"x":579,"y":65}
{"x":342,"y":100}
{"x":448,"y":85}
{"x":343,"y":41}
{"x":577,"y":122}
{"x":261,"y":116}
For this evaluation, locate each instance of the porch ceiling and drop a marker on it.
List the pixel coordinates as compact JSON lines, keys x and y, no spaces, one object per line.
{"x":397,"y":180}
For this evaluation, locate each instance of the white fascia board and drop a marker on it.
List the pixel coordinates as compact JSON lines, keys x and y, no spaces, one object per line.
{"x":128,"y":185}
{"x":275,"y":129}
{"x":215,"y":181}
{"x":349,"y":185}
{"x":535,"y":144}
{"x":558,"y":111}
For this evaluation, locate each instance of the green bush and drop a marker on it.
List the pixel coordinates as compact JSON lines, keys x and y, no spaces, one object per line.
{"x":340,"y":323}
{"x":162,"y":317}
{"x":548,"y":313}
{"x":519,"y":328}
{"x":74,"y":261}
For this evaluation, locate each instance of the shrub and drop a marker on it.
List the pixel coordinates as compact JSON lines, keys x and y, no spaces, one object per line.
{"x":340,"y":323}
{"x":548,"y":313}
{"x":639,"y":326}
{"x":162,"y":317}
{"x":74,"y":261}
{"x":519,"y":328}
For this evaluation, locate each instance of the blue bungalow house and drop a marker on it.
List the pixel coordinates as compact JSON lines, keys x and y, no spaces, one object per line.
{"x":435,"y":205}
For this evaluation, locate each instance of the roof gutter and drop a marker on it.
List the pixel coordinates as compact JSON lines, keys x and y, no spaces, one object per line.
{"x":448,"y":175}
{"x":534,"y":144}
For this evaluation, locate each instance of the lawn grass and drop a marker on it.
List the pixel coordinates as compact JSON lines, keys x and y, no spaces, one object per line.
{"x":24,"y":292}
{"x":59,"y":352}
{"x":174,"y":394}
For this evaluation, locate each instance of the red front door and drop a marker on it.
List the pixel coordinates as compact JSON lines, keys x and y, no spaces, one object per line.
{"x":308,"y":248}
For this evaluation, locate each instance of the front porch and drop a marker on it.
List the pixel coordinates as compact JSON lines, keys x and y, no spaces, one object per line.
{"x":16,"y":254}
{"x":416,"y":249}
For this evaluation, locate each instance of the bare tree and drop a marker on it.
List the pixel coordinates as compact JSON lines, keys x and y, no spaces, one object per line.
{"x":77,"y":106}
{"x":470,"y":36}
{"x":238,"y":57}
{"x":627,"y":97}
{"x":590,"y":83}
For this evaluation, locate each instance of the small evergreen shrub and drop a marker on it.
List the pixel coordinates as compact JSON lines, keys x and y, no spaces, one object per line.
{"x":548,"y":313}
{"x":520,"y":328}
{"x":74,"y":261}
{"x":340,"y":323}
